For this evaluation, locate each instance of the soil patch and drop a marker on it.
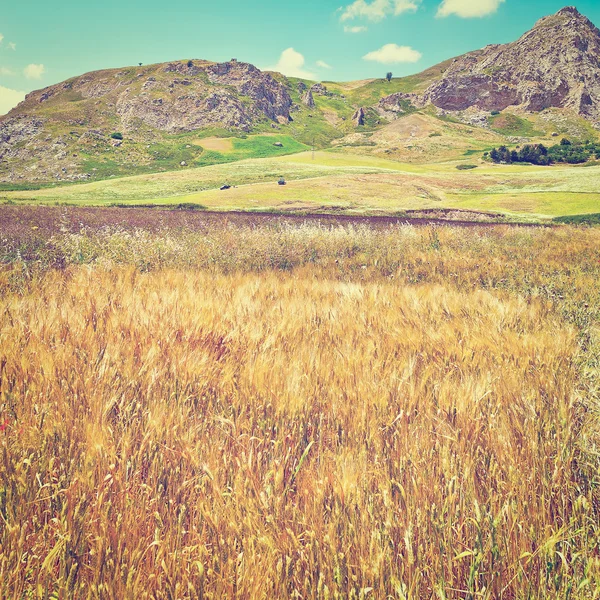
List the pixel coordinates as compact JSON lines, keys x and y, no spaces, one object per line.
{"x":215,"y":143}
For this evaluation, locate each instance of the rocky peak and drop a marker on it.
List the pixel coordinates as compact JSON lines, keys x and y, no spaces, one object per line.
{"x":569,"y":19}
{"x":556,"y":64}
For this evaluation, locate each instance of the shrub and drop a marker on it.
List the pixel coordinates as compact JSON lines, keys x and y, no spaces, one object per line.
{"x":116,"y":135}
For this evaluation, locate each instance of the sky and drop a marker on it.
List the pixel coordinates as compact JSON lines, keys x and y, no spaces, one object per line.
{"x":42,"y":43}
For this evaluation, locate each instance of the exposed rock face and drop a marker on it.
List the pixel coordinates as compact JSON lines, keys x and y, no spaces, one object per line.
{"x":270,"y":97}
{"x":308,"y":99}
{"x":320,"y":89}
{"x":359,"y":117}
{"x":142,"y":102}
{"x":188,"y":104}
{"x":14,"y":132}
{"x":556,"y":64}
{"x":396,"y":105}
{"x":232,"y":94}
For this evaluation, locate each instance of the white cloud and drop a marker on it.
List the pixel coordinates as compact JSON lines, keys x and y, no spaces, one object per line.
{"x":12,"y":46}
{"x":378,"y":9}
{"x":392,"y":53}
{"x":291,"y":63}
{"x":468,"y":8}
{"x":323,"y":65}
{"x":34,"y":71}
{"x":9,"y":99}
{"x":355,"y":29}
{"x":6,"y":71}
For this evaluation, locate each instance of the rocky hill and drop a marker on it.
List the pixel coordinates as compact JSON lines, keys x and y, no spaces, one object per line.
{"x":139,"y":103}
{"x":556,"y":64}
{"x":158,"y":117}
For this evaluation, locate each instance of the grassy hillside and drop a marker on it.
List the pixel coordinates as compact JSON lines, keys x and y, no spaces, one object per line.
{"x":347,"y":182}
{"x":87,"y":128}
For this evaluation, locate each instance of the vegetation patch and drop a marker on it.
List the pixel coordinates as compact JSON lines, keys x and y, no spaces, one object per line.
{"x":512,"y":125}
{"x":537,"y":154}
{"x":314,"y":395}
{"x":593,"y":219}
{"x":255,"y":146}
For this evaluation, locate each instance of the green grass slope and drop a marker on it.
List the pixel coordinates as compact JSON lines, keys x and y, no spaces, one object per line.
{"x":352,"y":183}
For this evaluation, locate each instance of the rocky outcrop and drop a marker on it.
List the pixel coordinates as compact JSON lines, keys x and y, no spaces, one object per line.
{"x":179,"y":96}
{"x":358,"y":117}
{"x":144,"y":103}
{"x":320,"y":89}
{"x":556,"y":64}
{"x":233,"y":95}
{"x":397,"y":105}
{"x":308,"y":99}
{"x":270,"y":97}
{"x":15,"y":132}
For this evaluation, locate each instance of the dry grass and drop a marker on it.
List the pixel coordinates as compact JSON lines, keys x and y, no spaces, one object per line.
{"x":301,"y":412}
{"x":215,"y":143}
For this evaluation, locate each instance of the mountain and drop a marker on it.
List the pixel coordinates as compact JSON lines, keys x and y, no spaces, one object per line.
{"x":143,"y":104}
{"x":556,"y":64}
{"x":177,"y":114}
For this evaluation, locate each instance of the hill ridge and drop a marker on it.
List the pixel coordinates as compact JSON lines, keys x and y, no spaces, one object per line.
{"x":114,"y":121}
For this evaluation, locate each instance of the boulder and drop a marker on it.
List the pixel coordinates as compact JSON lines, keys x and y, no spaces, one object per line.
{"x":319,"y":88}
{"x":308,"y":99}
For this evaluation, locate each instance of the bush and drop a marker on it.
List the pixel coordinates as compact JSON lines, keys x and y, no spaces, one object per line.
{"x":495,"y":113}
{"x":116,"y":135}
{"x":573,"y":153}
{"x":466,"y":167}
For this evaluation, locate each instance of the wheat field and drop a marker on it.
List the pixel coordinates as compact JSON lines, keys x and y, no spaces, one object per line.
{"x":300,"y":412}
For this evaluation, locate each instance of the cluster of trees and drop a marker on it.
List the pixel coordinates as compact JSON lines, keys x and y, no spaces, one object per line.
{"x":537,"y":154}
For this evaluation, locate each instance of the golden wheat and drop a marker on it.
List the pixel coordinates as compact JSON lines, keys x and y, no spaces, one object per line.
{"x":302,"y":413}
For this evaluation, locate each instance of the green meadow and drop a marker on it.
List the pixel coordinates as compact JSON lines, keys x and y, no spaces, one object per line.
{"x":353,"y":183}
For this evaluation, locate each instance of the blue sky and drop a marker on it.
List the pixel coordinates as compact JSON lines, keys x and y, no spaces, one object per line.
{"x":46,"y":42}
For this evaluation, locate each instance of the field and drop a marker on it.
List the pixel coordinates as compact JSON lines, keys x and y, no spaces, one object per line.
{"x":204,"y":407}
{"x":342,"y":181}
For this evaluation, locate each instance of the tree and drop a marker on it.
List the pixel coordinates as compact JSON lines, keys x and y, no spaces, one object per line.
{"x":504,"y":154}
{"x":389,"y":76}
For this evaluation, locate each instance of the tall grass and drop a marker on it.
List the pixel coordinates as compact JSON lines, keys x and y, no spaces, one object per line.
{"x":301,"y":412}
